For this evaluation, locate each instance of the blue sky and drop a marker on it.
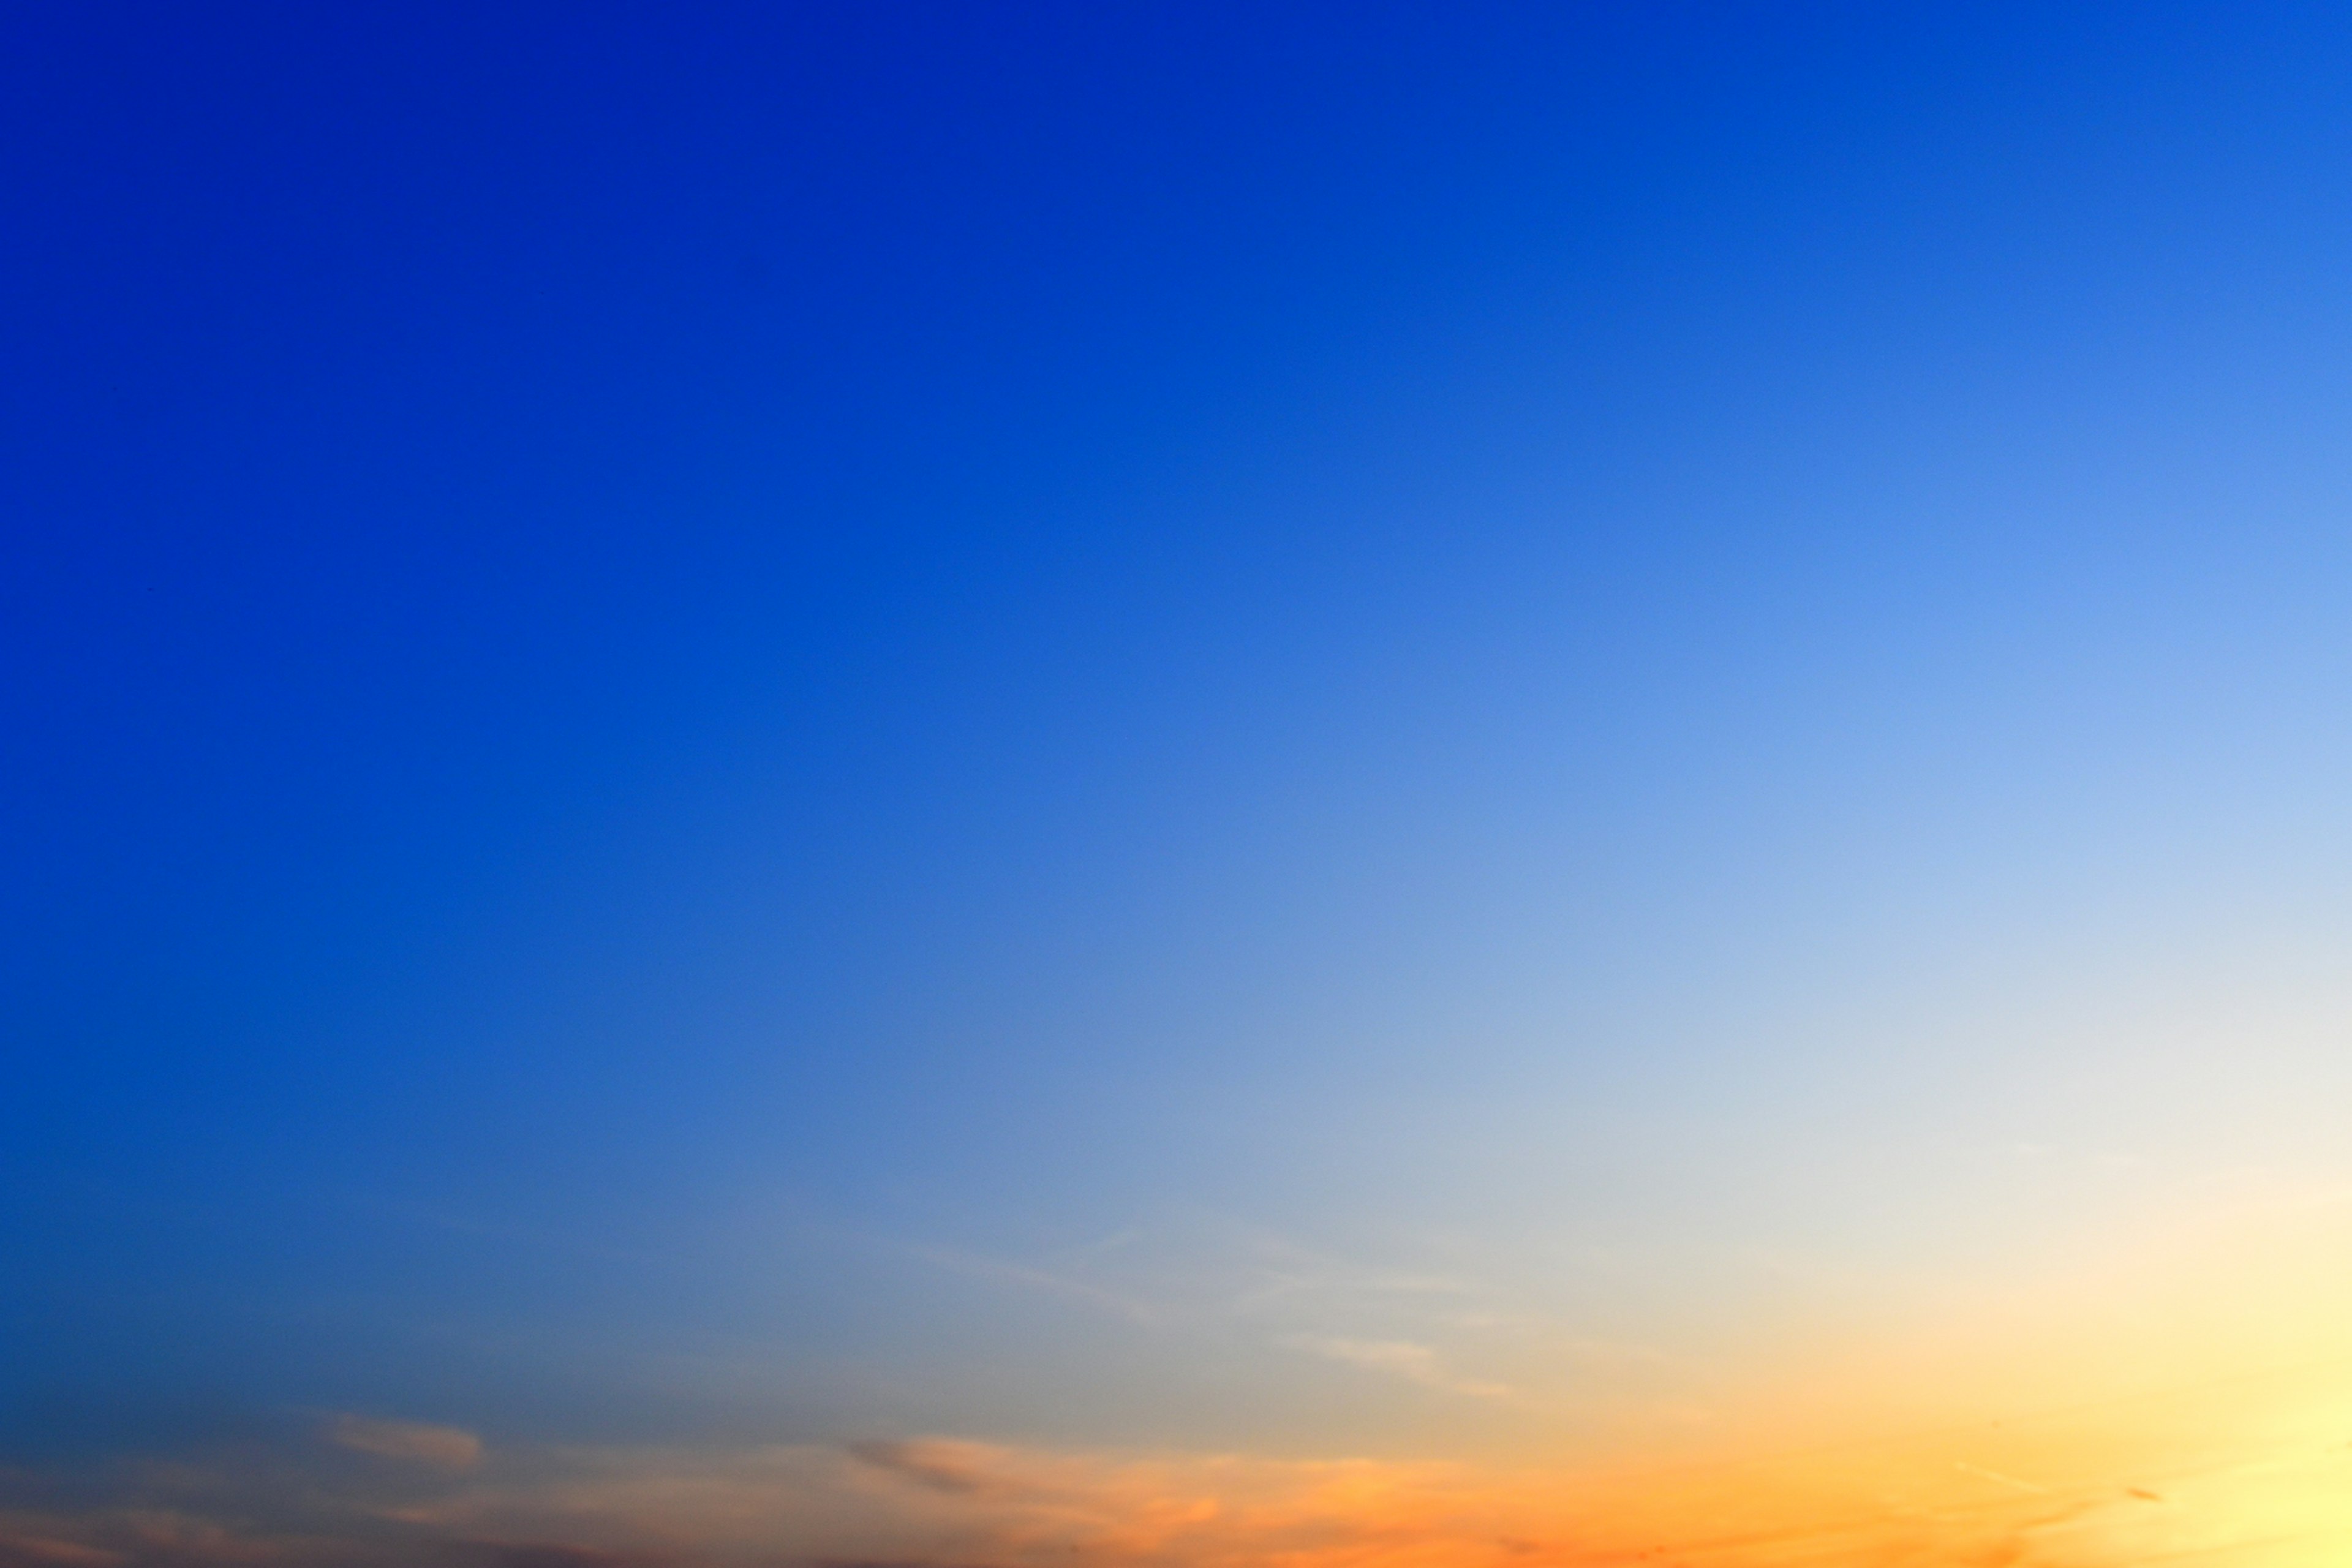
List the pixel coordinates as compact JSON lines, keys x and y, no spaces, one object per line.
{"x":1296,"y":731}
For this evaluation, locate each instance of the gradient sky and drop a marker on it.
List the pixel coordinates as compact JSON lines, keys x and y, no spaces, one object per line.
{"x":1176,"y":786}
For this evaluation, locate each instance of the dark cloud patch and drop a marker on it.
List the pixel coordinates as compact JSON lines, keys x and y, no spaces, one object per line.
{"x":547,"y":1555}
{"x":938,"y":1465}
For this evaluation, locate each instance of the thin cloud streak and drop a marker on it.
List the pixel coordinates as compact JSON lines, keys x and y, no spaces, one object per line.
{"x":1209,"y":1277}
{"x":1400,"y":1358}
{"x":444,"y":1448}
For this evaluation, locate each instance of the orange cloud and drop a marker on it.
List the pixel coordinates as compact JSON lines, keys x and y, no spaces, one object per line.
{"x":2188,"y":1401}
{"x":2089,"y":1488}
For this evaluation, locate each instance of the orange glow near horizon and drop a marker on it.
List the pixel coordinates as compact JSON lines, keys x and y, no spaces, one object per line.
{"x":2189,"y":1403}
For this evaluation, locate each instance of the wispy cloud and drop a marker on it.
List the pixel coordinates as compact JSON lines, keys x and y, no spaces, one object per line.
{"x":1398,"y":1358}
{"x":1045,"y":1281}
{"x":445,"y":1448}
{"x":949,"y":1467}
{"x":1226,"y":1283}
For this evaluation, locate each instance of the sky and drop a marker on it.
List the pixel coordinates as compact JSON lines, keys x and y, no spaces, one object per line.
{"x":1175,"y":786}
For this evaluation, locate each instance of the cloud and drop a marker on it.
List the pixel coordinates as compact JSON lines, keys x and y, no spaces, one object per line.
{"x":444,"y":1448}
{"x":2116,"y":1423}
{"x":1043,"y":1281}
{"x":538,"y":1555}
{"x":1397,"y":1358}
{"x":30,"y":1548}
{"x":942,"y":1502}
{"x":935,"y":1462}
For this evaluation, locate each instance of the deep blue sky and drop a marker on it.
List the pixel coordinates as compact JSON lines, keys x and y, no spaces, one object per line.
{"x":678,"y":678}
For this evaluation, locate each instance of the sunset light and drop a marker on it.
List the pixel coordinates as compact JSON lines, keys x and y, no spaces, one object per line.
{"x":996,"y":786}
